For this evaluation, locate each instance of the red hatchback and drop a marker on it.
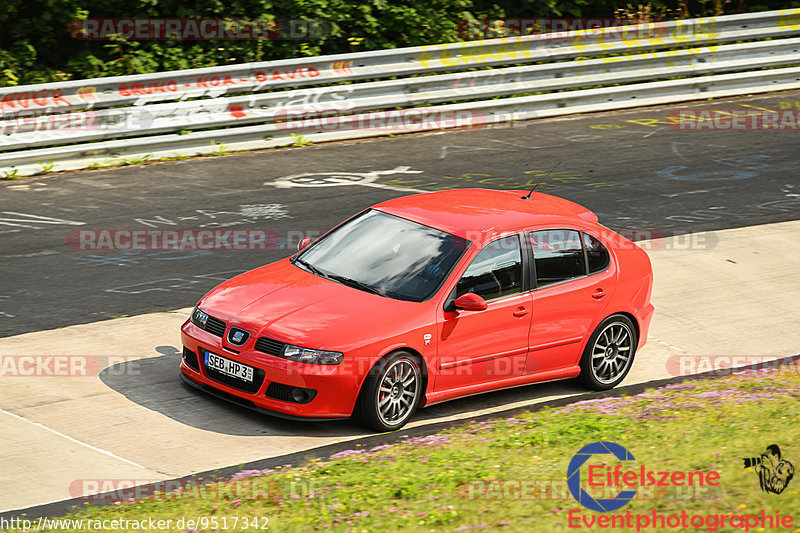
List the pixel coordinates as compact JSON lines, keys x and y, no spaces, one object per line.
{"x":424,"y":299}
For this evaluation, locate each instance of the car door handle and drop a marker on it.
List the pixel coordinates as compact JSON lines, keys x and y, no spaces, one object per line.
{"x":599,"y":293}
{"x":521,"y":311}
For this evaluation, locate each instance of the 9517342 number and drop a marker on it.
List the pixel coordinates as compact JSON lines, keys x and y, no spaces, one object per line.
{"x":222,"y":523}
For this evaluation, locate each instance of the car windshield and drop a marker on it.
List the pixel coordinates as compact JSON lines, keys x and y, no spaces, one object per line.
{"x":388,"y":255}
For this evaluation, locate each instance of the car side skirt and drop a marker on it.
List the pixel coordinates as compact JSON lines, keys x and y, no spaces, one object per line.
{"x":509,"y":383}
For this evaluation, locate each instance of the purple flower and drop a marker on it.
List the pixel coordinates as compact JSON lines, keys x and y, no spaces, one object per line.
{"x":346,"y":453}
{"x":248,"y":473}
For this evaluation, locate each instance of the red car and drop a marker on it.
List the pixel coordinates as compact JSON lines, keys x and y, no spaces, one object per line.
{"x":423,"y":299}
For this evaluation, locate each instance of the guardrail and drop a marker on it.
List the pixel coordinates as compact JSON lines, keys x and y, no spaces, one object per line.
{"x":86,"y":123}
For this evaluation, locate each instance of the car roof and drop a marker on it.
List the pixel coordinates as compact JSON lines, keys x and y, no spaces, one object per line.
{"x":462,"y":212}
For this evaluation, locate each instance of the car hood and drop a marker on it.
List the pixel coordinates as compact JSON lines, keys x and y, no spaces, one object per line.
{"x":285,"y":302}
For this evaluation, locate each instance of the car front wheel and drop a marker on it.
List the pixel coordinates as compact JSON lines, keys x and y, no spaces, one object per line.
{"x":391,"y":392}
{"x":608,"y":355}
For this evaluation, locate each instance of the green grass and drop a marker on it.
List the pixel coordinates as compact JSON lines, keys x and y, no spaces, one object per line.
{"x":10,"y":174}
{"x":437,"y":482}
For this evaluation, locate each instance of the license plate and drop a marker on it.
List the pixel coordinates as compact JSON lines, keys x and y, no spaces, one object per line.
{"x":228,"y":367}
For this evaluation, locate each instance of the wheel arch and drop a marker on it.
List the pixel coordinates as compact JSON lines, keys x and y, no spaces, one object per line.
{"x":633,"y":319}
{"x":630,"y":316}
{"x":390,"y":352}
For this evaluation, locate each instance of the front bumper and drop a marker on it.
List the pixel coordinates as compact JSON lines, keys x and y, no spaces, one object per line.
{"x":336,"y":386}
{"x":244,"y":403}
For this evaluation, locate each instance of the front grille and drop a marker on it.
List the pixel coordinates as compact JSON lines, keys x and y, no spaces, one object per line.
{"x":279,"y":391}
{"x":190,"y":358}
{"x":269,"y":346}
{"x":236,"y":383}
{"x":215,"y":326}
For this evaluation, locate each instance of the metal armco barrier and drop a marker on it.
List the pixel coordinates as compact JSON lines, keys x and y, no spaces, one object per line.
{"x":87,"y":123}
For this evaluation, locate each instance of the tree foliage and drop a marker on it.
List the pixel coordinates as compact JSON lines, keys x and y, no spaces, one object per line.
{"x":36,"y":45}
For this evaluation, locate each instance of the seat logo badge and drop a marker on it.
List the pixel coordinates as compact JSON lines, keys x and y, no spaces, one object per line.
{"x":237,"y":336}
{"x":427,"y":338}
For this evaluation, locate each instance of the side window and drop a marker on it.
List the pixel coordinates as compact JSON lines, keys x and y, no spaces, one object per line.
{"x":558,"y":255}
{"x":597,"y":254}
{"x":496,"y":271}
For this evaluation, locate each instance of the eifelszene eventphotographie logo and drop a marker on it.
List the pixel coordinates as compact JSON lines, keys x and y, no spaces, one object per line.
{"x":609,"y":469}
{"x":774,"y":472}
{"x":627,"y":478}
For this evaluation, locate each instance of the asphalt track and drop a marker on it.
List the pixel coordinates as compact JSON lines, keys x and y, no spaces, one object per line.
{"x":634,"y":168}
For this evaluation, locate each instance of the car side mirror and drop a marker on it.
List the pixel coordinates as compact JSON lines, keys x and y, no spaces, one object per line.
{"x":303,"y":243}
{"x":470,"y":302}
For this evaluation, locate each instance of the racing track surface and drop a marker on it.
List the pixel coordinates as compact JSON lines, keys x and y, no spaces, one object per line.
{"x":632,"y":168}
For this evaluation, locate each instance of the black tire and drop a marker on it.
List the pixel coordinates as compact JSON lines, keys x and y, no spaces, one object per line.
{"x":609,"y":354}
{"x":391,"y":392}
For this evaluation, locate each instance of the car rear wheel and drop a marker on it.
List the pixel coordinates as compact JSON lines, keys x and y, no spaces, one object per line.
{"x":608,"y":355}
{"x":391,"y":392}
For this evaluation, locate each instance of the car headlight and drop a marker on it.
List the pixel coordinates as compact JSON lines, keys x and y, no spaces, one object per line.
{"x":307,"y":355}
{"x":199,"y":318}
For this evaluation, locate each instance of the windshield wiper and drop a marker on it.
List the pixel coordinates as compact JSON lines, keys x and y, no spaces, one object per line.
{"x":312,"y":268}
{"x":355,"y":283}
{"x":341,"y":279}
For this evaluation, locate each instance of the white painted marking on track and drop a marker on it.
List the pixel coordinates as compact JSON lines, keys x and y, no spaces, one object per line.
{"x":93,"y":183}
{"x":334,"y":179}
{"x":28,"y":219}
{"x":155,"y":285}
{"x":668,"y":345}
{"x":32,"y":254}
{"x":652,"y":133}
{"x":676,"y":151}
{"x":76,"y":441}
{"x":701,"y":191}
{"x":455,"y":148}
{"x":391,"y":187}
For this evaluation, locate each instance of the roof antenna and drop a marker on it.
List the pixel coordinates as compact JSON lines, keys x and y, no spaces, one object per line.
{"x":528,"y":197}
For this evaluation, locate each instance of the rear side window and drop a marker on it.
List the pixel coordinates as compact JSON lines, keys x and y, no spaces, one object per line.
{"x":596,"y":253}
{"x":558,"y":255}
{"x":495,"y":272}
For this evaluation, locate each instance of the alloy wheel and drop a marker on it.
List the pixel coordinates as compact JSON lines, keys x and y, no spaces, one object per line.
{"x":611,"y":353}
{"x":398,"y":391}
